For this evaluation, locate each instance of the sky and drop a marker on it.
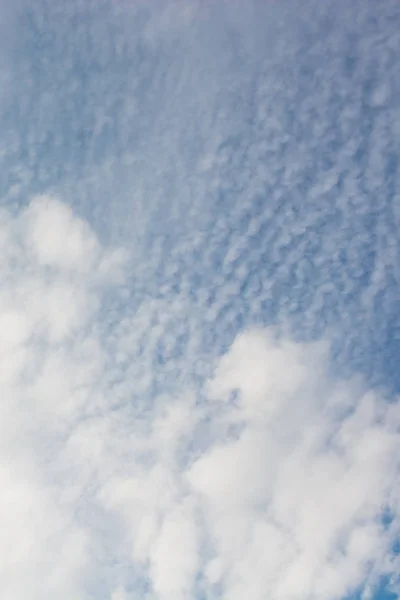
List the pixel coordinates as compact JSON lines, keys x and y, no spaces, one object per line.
{"x":199,"y":324}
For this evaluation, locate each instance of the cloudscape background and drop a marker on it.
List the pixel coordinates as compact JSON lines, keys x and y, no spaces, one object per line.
{"x":199,"y":324}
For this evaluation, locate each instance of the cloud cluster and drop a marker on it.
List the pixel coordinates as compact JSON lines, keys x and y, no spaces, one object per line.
{"x":52,"y":270}
{"x":291,"y":503}
{"x":267,"y":479}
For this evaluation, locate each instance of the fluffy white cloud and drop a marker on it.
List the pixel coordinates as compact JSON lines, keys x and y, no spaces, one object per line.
{"x":57,"y":238}
{"x":272,"y":480}
{"x":294,"y":503}
{"x":49,"y":363}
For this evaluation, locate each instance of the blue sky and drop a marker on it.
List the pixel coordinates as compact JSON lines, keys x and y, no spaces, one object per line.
{"x":192,"y":192}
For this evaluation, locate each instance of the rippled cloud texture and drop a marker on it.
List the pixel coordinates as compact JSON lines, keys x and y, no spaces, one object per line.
{"x":199,"y":325}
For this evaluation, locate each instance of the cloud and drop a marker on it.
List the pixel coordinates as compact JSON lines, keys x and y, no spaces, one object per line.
{"x":245,"y":153}
{"x":49,"y":362}
{"x":57,"y":238}
{"x":290,"y":502}
{"x":270,"y":478}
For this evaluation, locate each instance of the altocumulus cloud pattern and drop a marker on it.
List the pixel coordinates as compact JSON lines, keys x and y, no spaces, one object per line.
{"x":199,"y":325}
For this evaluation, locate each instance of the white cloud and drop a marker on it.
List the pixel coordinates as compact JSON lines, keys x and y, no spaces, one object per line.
{"x":119,"y":594}
{"x":290,"y":503}
{"x":49,"y":362}
{"x":57,"y":237}
{"x":175,"y":555}
{"x":286,"y":502}
{"x":270,"y":481}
